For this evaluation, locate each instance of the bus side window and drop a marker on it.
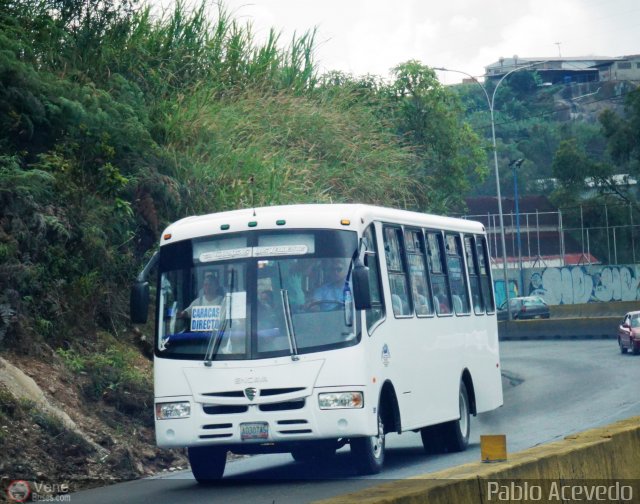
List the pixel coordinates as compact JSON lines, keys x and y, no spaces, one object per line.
{"x":474,"y":277}
{"x":437,"y":273}
{"x":398,"y":284}
{"x":376,"y":312}
{"x":457,"y":275}
{"x":485,"y":278}
{"x":420,"y":294}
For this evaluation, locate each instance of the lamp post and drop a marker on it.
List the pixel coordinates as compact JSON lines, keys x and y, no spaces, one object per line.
{"x":490,"y":102}
{"x":516,"y":164}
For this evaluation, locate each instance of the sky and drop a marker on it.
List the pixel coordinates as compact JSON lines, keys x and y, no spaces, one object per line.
{"x":372,"y":36}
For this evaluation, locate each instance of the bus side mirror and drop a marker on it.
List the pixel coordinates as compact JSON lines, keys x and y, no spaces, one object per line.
{"x":361,"y":293}
{"x":139,"y":302}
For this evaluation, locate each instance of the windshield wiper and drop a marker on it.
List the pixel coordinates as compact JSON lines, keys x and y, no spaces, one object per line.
{"x":231,"y":290}
{"x":218,"y":332}
{"x":293,"y":346}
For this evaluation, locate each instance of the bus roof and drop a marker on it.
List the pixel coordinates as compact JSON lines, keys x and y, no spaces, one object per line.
{"x":312,"y":216}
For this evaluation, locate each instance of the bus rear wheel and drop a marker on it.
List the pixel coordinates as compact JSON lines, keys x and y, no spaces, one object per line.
{"x":368,"y":452}
{"x":456,"y":433}
{"x":433,"y":439}
{"x":450,"y":436}
{"x":207,"y":463}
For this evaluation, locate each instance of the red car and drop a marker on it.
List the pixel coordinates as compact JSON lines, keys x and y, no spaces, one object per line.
{"x":629,"y":333}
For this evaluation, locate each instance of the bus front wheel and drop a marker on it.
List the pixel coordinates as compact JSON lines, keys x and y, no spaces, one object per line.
{"x":207,"y":463}
{"x":368,"y":452}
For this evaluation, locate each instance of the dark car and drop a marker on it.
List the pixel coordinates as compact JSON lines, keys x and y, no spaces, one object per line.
{"x":527,"y":307}
{"x":629,"y":333}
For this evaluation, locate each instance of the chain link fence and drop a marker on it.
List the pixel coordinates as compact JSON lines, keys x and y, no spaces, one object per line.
{"x":586,"y":234}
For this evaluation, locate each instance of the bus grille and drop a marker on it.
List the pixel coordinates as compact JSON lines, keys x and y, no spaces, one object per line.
{"x":215,"y":436}
{"x":279,"y":391}
{"x":294,"y":426}
{"x":224,"y":410}
{"x":269,"y":392}
{"x":283,"y":406}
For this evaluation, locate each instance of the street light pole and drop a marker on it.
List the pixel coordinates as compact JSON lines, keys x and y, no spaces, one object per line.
{"x":490,"y":103}
{"x":516,"y":164}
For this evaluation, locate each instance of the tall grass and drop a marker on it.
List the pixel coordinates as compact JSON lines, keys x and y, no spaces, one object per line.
{"x":294,"y":148}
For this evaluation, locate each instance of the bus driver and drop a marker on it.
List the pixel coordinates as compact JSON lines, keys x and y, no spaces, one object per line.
{"x":212,"y":295}
{"x":332,"y":290}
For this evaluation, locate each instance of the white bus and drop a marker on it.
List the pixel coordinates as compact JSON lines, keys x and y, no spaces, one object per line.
{"x":304,"y":328}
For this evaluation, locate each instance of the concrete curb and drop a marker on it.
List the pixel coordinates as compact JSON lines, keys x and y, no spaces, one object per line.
{"x":606,"y":456}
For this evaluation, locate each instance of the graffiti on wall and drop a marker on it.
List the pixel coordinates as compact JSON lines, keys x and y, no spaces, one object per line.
{"x":584,"y":284}
{"x":501,"y":295}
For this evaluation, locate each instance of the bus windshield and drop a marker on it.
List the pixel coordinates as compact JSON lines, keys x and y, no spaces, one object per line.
{"x":230,"y":290}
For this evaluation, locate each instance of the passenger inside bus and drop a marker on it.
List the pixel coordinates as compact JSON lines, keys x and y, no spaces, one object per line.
{"x":420,"y":300}
{"x":267,"y":312}
{"x":440,"y":301}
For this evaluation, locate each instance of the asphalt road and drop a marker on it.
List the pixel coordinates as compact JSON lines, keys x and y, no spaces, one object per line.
{"x":551,"y":389}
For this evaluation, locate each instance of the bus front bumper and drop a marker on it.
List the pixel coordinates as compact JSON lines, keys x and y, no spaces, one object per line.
{"x":275,"y":423}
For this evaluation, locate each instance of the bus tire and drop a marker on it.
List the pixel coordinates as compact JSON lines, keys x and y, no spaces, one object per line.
{"x":456,"y":433}
{"x":433,"y":439}
{"x":207,"y":463}
{"x":368,"y":452}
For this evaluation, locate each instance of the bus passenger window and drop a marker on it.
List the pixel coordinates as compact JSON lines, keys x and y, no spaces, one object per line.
{"x":437,"y":273}
{"x":396,"y":267}
{"x":457,"y":275}
{"x":418,"y":272}
{"x":376,"y":312}
{"x":474,"y":277}
{"x":485,"y":274}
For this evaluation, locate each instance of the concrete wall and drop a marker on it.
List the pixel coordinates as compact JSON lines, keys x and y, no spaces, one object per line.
{"x":607,"y":458}
{"x":573,"y":284}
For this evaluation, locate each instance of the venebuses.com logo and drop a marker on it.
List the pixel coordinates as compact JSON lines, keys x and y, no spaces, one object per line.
{"x":19,"y":491}
{"x":23,"y":491}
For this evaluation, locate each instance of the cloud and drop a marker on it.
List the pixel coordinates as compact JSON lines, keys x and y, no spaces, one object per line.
{"x":372,"y":36}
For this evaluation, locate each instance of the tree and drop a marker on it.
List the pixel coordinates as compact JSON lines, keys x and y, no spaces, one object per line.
{"x":429,"y":118}
{"x":623,"y":134}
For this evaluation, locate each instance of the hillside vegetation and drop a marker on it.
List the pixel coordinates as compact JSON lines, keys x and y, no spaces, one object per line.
{"x":114,"y":123}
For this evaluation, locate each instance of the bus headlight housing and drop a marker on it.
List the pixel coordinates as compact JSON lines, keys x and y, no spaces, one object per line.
{"x":166,"y":411}
{"x":341,"y":400}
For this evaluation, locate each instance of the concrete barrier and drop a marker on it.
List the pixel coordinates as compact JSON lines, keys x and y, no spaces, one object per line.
{"x":582,"y":467}
{"x":589,"y":320}
{"x":588,"y":310}
{"x":560,"y":328}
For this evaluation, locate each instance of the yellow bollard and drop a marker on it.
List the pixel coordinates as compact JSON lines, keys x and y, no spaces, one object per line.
{"x":493,"y":448}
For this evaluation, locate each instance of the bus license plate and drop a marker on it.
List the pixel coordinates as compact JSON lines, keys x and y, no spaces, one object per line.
{"x":255,"y":430}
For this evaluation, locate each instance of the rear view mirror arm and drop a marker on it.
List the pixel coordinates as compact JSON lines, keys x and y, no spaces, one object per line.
{"x":146,"y":271}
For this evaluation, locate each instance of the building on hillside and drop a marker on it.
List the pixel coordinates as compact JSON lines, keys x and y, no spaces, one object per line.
{"x":556,"y":70}
{"x":619,"y":183}
{"x":559,"y":70}
{"x":544,"y":240}
{"x":625,"y":68}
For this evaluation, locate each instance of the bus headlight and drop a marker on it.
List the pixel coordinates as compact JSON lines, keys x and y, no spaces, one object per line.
{"x":165,"y":411}
{"x":341,"y":400}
